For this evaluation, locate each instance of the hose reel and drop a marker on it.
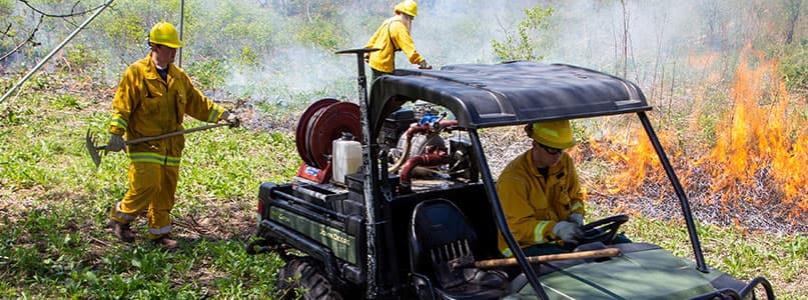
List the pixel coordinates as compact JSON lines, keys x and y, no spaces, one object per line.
{"x":323,"y":122}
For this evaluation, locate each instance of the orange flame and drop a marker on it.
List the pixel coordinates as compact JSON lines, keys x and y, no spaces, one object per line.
{"x":761,"y":135}
{"x":702,"y":61}
{"x":636,"y":156}
{"x":762,"y":140}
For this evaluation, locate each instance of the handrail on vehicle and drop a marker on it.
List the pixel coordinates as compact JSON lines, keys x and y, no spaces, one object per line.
{"x":728,"y":293}
{"x":767,"y":286}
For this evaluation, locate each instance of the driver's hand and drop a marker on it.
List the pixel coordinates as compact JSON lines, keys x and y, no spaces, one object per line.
{"x":577,"y":218}
{"x":568,"y":232}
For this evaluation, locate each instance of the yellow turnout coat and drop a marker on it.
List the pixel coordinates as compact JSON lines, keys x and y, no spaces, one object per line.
{"x":533,"y":204}
{"x":391,"y":36}
{"x":146,"y":105}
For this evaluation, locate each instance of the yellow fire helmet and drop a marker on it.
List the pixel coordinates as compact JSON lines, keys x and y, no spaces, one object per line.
{"x":163,"y":33}
{"x":408,"y":7}
{"x":556,"y":134}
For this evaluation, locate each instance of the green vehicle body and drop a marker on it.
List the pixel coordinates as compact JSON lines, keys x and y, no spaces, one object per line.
{"x":355,"y":239}
{"x":343,"y":245}
{"x":648,"y":274}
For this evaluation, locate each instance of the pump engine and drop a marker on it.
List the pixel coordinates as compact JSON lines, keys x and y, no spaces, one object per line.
{"x":420,"y":143}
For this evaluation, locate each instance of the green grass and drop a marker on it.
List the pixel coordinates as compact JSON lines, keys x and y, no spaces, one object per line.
{"x":53,"y":202}
{"x":53,"y":243}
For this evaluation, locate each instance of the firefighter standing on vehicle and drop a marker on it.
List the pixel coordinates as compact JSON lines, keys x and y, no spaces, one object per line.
{"x":394,"y":35}
{"x":540,"y":193}
{"x":152,"y":99}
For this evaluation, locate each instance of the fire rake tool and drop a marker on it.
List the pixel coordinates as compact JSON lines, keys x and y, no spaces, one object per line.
{"x":507,"y":262}
{"x":89,"y":140}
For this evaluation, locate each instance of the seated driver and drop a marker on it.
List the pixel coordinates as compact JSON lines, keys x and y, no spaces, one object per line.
{"x":541,"y":195}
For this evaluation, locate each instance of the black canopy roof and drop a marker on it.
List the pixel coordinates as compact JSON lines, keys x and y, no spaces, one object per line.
{"x":508,"y":93}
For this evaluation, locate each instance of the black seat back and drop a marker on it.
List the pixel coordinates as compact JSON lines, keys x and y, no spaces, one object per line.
{"x":439,"y":234}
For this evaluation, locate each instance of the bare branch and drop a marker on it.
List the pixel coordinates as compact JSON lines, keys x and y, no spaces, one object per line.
{"x":30,"y":39}
{"x":72,"y":14}
{"x":73,"y":8}
{"x":5,"y":33}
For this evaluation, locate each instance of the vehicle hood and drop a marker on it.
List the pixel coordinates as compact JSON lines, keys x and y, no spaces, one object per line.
{"x":649,"y":274}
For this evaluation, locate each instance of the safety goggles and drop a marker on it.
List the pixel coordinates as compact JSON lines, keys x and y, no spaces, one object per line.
{"x":551,"y":150}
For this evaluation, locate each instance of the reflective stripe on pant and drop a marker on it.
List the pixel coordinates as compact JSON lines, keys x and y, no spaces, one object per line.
{"x":151,"y":186}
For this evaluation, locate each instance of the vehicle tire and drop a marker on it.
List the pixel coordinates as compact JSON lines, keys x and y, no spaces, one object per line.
{"x":305,"y":274}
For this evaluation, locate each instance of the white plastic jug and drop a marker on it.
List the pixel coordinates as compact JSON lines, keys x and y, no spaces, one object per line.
{"x":346,"y":157}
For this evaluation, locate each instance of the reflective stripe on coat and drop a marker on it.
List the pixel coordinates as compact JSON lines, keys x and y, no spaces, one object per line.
{"x":533,"y":204}
{"x":146,"y":105}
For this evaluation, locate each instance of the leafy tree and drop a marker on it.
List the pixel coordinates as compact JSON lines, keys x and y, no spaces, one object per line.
{"x":308,"y":8}
{"x":526,"y":42}
{"x":323,"y":33}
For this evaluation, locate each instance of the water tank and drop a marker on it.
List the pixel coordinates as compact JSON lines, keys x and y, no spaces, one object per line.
{"x":346,"y":157}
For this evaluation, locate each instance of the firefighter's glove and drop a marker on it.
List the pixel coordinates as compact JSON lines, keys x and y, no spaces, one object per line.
{"x":367,"y":57}
{"x":424,"y":65}
{"x":231,"y":119}
{"x":577,"y":218}
{"x":116,"y":143}
{"x":568,"y":232}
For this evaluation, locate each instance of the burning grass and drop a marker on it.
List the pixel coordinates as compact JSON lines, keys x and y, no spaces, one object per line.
{"x":52,"y":202}
{"x":751,"y":174}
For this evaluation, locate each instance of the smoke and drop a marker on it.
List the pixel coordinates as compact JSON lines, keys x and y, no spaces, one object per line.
{"x":294,"y":53}
{"x":659,"y":37}
{"x":293,"y":71}
{"x":461,"y":31}
{"x":600,"y":34}
{"x":654,"y":37}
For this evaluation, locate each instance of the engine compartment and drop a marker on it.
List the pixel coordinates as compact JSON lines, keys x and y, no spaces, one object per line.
{"x":420,"y":146}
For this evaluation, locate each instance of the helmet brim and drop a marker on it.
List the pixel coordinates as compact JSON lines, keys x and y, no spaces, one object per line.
{"x":170,"y":45}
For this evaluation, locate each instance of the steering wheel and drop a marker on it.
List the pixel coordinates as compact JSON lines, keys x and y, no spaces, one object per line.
{"x":603,"y":230}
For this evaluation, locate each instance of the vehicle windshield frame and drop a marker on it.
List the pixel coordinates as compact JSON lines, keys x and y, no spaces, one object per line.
{"x":615,"y":96}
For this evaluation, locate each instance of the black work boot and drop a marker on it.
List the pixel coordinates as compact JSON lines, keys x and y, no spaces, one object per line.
{"x":165,"y":242}
{"x":122,"y":231}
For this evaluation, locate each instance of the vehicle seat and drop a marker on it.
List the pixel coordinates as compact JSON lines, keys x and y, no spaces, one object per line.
{"x":441,"y":236}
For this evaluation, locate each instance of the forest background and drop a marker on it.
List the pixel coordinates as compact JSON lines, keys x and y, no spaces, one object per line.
{"x":727,"y":79}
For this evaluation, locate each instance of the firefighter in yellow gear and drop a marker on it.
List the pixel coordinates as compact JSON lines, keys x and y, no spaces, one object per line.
{"x":394,"y":35}
{"x":540,"y":193}
{"x":153,"y":98}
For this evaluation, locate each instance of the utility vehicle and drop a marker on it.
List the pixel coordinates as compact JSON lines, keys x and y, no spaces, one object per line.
{"x":419,"y":217}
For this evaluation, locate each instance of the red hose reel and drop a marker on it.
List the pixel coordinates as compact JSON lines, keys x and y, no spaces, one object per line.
{"x":323,"y":122}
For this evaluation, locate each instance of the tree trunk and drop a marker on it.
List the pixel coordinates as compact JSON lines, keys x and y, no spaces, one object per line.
{"x":793,"y":7}
{"x":625,"y":38}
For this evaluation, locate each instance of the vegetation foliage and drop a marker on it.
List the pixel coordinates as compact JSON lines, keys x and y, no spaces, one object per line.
{"x":527,"y":42}
{"x":53,"y":242}
{"x":53,"y":209}
{"x":794,"y":67}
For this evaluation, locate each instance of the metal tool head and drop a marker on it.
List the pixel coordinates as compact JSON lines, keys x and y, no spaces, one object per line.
{"x":89,"y":143}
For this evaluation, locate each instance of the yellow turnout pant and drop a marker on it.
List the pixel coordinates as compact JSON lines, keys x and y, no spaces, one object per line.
{"x":150,"y":185}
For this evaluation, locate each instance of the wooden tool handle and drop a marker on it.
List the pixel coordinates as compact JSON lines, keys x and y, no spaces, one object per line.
{"x":494,"y":263}
{"x":175,"y":133}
